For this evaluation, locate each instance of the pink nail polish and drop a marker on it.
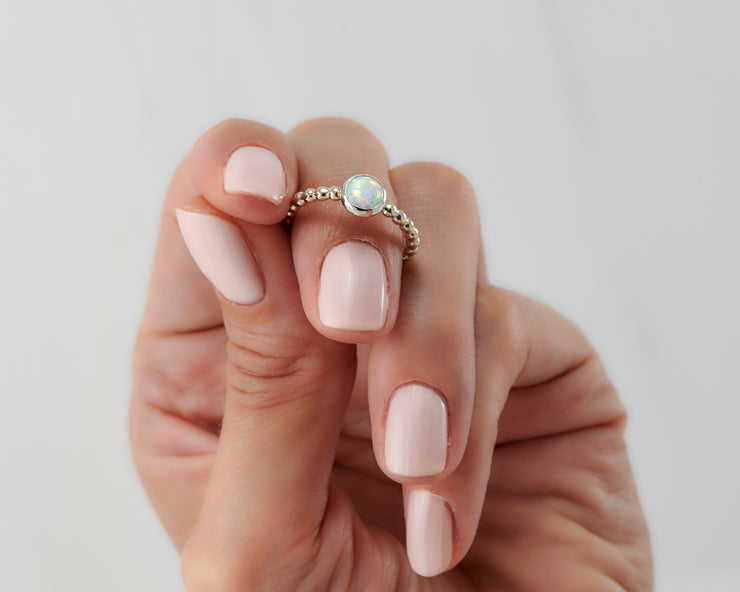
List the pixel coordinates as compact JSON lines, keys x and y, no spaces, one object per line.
{"x":353,"y":288}
{"x":254,"y":170}
{"x":428,"y":533}
{"x":218,"y":248}
{"x":416,"y":432}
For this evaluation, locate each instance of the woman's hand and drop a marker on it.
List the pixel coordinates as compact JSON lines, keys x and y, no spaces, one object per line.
{"x":281,"y":456}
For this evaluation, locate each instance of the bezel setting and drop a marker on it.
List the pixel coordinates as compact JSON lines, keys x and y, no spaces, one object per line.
{"x":358,"y":209}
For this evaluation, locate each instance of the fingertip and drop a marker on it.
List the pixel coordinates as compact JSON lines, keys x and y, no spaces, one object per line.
{"x":353,"y":288}
{"x":429,"y":533}
{"x":350,"y":293}
{"x":416,"y":432}
{"x":255,"y":171}
{"x":246,"y":169}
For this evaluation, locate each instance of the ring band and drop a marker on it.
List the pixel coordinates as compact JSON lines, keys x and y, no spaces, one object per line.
{"x":362,"y":195}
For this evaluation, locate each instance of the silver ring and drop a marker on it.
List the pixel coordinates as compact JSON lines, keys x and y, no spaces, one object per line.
{"x":362,"y":195}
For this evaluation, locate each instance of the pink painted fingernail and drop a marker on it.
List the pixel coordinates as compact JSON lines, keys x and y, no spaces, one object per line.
{"x":428,"y":533}
{"x":220,"y":251}
{"x":353,"y":288}
{"x":416,"y":432}
{"x":253,"y":170}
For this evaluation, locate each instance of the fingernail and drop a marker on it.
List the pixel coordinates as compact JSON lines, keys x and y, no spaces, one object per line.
{"x":218,"y":248}
{"x":352,"y":288}
{"x":428,"y":533}
{"x":416,"y":432}
{"x":255,"y":171}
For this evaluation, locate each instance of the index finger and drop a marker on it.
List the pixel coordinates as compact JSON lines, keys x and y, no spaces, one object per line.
{"x":240,"y":167}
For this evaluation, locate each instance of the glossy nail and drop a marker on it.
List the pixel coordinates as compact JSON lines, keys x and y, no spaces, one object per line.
{"x":220,"y":251}
{"x":256,"y":171}
{"x":416,"y":432}
{"x":428,"y":533}
{"x":353,"y":288}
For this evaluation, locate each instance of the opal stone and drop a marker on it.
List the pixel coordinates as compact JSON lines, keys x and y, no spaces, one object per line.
{"x":363,"y":195}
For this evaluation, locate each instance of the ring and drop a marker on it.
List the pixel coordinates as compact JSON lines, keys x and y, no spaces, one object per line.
{"x":362,"y":195}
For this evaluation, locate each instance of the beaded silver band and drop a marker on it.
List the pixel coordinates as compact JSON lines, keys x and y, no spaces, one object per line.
{"x":362,"y":195}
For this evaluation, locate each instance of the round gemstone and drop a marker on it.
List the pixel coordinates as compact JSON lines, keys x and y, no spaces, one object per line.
{"x":363,"y":195}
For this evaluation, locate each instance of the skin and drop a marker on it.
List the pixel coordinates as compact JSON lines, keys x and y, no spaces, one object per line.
{"x":258,"y":433}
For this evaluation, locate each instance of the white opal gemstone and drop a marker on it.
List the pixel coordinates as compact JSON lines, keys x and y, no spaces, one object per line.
{"x":363,"y":195}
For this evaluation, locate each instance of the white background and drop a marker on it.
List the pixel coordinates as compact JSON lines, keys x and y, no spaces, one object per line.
{"x":603,"y":139}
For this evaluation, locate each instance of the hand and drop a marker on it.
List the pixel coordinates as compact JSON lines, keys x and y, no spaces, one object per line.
{"x":281,"y":456}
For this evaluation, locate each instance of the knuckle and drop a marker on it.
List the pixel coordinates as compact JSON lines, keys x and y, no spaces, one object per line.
{"x":595,"y":397}
{"x":499,"y":315}
{"x":498,"y":310}
{"x":230,"y":133}
{"x":260,"y":359}
{"x":268,"y":371}
{"x":443,"y":200}
{"x":221,"y":129}
{"x":446,"y":329}
{"x":332,"y":125}
{"x":227,"y":125}
{"x":438,"y":180}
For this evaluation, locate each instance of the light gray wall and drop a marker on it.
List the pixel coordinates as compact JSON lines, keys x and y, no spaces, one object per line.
{"x":604,"y":143}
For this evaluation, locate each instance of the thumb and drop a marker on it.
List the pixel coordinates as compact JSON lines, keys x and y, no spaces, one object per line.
{"x":287,"y":391}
